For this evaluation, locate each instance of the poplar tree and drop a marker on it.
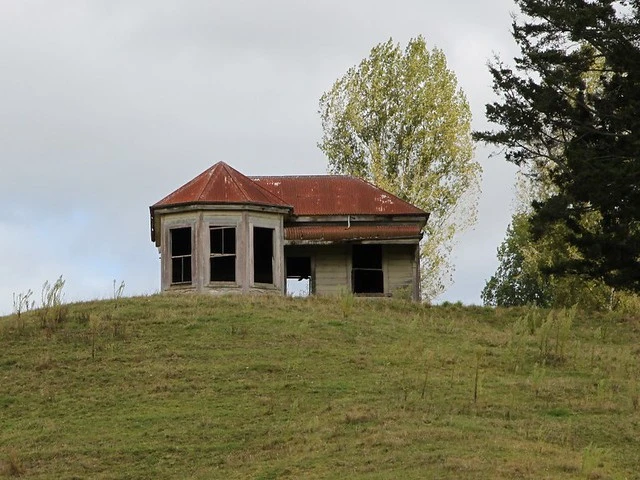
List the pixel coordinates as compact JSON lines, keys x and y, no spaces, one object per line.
{"x":400,"y":121}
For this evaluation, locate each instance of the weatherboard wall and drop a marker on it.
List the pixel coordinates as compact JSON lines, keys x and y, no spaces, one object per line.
{"x":401,"y":269}
{"x":200,"y":222}
{"x":331,"y":268}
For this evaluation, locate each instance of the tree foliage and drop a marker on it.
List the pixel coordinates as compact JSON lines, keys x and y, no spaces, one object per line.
{"x":523,"y":277}
{"x":400,"y":121}
{"x":517,"y":281}
{"x":571,"y":103}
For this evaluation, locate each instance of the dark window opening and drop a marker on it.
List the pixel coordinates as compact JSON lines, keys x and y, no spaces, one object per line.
{"x":223,"y":240}
{"x":366,"y":275}
{"x":299,"y":276}
{"x":263,"y":255}
{"x":223,"y":254}
{"x":223,"y":269}
{"x":298,"y":267}
{"x":181,"y":255}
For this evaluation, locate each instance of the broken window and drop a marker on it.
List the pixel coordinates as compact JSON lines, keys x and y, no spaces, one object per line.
{"x":223,"y":254}
{"x":263,"y":255}
{"x":366,"y":273}
{"x":299,"y":288}
{"x":181,"y":255}
{"x":299,"y":276}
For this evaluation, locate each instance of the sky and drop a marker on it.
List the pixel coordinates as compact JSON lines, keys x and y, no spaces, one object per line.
{"x":106,"y":106}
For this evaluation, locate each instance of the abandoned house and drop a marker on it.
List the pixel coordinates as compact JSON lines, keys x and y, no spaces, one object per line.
{"x":226,"y":232}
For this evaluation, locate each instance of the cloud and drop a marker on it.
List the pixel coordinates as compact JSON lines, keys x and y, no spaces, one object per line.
{"x":107,"y":106}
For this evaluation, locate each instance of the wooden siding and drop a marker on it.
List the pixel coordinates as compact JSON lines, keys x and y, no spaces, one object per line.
{"x":243,"y":221}
{"x":331,"y":266}
{"x":400,"y":268}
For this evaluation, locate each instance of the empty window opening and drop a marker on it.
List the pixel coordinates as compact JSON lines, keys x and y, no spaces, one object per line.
{"x":223,"y":254}
{"x":181,"y":255}
{"x":299,"y":276}
{"x":263,"y":255}
{"x":366,"y":275}
{"x":298,"y":267}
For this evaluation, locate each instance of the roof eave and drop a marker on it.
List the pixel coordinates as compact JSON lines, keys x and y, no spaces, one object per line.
{"x":373,"y":217}
{"x":222,"y":205}
{"x":377,"y":240}
{"x":191,"y":206}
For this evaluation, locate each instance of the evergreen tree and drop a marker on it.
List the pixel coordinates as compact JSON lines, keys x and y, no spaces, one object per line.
{"x":571,"y":102}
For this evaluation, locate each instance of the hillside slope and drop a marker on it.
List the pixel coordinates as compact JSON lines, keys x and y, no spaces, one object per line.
{"x":266,"y":388}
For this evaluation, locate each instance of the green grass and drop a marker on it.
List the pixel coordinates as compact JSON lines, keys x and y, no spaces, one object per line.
{"x":271,"y":388}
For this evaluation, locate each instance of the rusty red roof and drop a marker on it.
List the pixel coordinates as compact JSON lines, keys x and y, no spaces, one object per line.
{"x":355,"y":232}
{"x":335,"y":195}
{"x":313,"y":195}
{"x":221,"y":184}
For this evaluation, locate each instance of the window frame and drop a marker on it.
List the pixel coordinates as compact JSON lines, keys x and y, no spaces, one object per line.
{"x":183,"y":257}
{"x":272,"y":259}
{"x":367,"y":268}
{"x":223,"y":254}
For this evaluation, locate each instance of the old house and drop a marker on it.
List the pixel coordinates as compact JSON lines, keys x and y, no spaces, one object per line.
{"x":226,"y":232}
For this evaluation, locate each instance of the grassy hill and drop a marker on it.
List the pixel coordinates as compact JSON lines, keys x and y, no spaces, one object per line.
{"x":269,"y":388}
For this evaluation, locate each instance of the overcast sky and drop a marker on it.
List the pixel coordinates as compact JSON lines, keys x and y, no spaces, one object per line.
{"x":106,"y":106}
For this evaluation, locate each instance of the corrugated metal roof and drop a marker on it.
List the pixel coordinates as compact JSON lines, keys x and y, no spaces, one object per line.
{"x":335,"y":195}
{"x":314,"y":195}
{"x":222,"y":184}
{"x":355,"y":232}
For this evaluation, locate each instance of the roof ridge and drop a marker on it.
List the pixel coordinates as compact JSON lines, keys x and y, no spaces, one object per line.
{"x":209,"y":173}
{"x":274,"y":194}
{"x":225,"y":183}
{"x":386,"y":191}
{"x":230,"y":171}
{"x":264,"y":190}
{"x":300,"y":175}
{"x":314,"y":194}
